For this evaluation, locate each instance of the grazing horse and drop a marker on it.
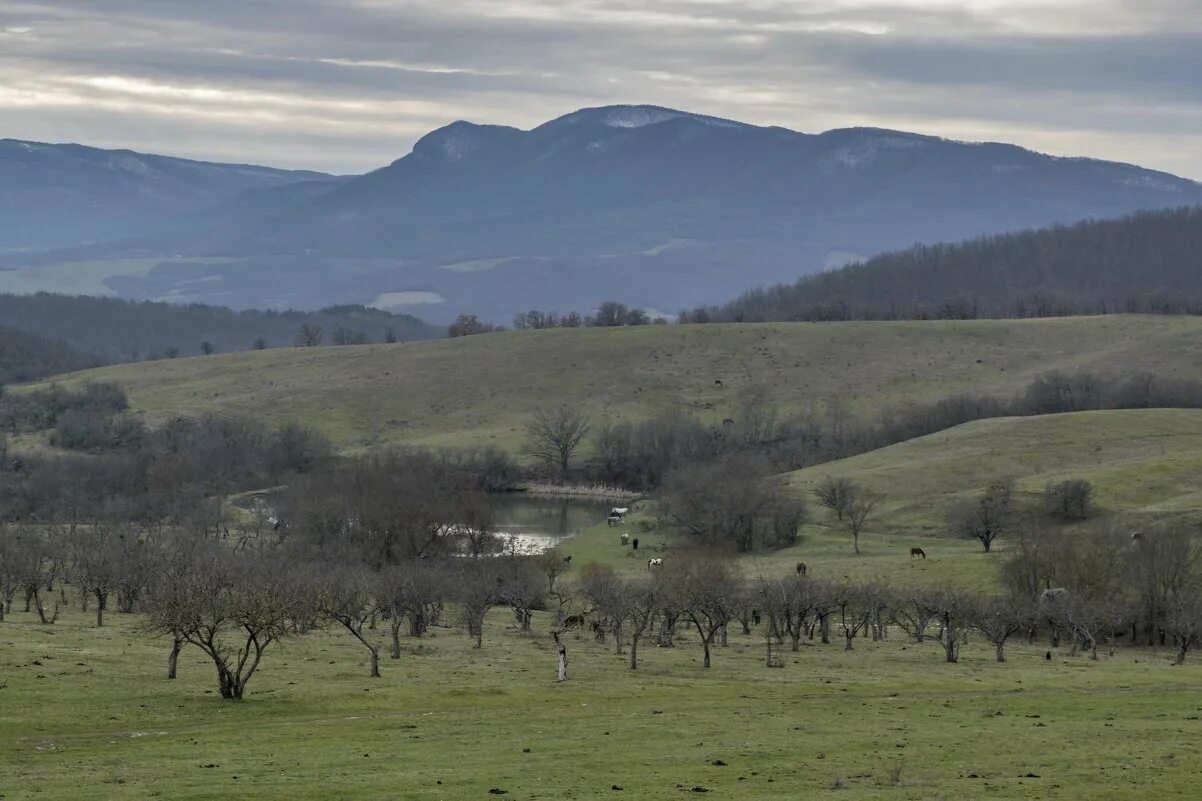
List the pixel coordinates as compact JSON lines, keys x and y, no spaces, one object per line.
{"x":572,"y":621}
{"x":802,"y":567}
{"x":657,"y":562}
{"x":625,"y":538}
{"x":567,"y":560}
{"x":917,"y":552}
{"x":635,"y":543}
{"x":728,"y":422}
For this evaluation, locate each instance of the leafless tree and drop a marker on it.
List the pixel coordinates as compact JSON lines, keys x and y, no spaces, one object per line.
{"x":734,"y":501}
{"x":478,"y":587}
{"x":350,"y":595}
{"x":1001,"y":617}
{"x":308,"y":336}
{"x":854,"y":608}
{"x":554,"y":435}
{"x":835,"y":493}
{"x":952,"y":610}
{"x":707,"y":586}
{"x":95,"y":563}
{"x":987,"y":517}
{"x":860,"y":506}
{"x":521,"y":588}
{"x":232,"y":608}
{"x":1183,"y":622}
{"x":645,"y":597}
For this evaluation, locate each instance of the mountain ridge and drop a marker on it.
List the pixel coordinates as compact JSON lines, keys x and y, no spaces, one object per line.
{"x":647,"y":205}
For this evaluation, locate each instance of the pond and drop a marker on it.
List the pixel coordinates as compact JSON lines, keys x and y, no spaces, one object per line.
{"x":540,"y":522}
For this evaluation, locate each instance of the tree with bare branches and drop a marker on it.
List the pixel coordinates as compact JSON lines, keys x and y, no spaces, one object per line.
{"x":554,"y":435}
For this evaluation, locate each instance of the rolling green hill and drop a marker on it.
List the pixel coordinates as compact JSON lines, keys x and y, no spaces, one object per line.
{"x":1141,"y":461}
{"x":482,"y":389}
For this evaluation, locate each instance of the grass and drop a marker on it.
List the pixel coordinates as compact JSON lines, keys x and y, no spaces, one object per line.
{"x":483,"y":390}
{"x":86,"y":713}
{"x":1142,"y":462}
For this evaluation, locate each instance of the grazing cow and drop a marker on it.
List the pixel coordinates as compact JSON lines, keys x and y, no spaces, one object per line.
{"x":802,"y":568}
{"x":625,"y":538}
{"x":620,"y":511}
{"x":613,"y":519}
{"x":567,"y":560}
{"x":635,"y":543}
{"x":917,"y":552}
{"x":657,"y":562}
{"x":718,"y":382}
{"x":728,"y":422}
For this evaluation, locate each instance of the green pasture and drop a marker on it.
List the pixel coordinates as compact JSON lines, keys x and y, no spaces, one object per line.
{"x":87,"y":713}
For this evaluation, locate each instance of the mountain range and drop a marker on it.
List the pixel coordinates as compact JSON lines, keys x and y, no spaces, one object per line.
{"x":657,"y":208}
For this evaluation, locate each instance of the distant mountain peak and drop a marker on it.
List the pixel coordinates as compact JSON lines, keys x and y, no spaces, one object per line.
{"x":635,"y":117}
{"x":461,"y":139}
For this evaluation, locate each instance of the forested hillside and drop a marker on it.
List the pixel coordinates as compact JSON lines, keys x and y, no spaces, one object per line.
{"x":25,"y":357}
{"x":121,"y":330}
{"x":1146,"y":263}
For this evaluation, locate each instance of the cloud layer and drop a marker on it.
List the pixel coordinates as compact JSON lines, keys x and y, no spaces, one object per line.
{"x":349,"y":85}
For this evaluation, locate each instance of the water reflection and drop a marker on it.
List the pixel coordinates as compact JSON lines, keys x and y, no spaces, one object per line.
{"x":541,"y":522}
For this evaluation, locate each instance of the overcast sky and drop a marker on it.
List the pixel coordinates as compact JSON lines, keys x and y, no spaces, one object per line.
{"x":349,"y":85}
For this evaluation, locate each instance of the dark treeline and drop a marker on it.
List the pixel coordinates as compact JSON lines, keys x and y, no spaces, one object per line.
{"x":641,"y":455}
{"x":28,"y":357}
{"x":108,"y":466}
{"x":1149,"y":263}
{"x":123,"y":330}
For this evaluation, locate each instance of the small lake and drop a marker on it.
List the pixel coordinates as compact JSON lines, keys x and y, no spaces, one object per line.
{"x":540,"y":522}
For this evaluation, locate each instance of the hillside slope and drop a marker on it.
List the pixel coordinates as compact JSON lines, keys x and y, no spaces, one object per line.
{"x":482,"y":389}
{"x":1143,"y":461}
{"x":1149,"y":262}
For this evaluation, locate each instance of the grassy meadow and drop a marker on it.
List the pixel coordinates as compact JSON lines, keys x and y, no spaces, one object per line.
{"x":482,"y":390}
{"x":87,"y":713}
{"x":1145,"y":462}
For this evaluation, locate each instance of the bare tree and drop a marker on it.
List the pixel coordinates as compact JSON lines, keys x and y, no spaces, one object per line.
{"x":94,"y":564}
{"x":987,"y":517}
{"x":521,"y":587}
{"x":860,"y":506}
{"x":734,"y":501}
{"x":478,"y":586}
{"x":351,"y":596}
{"x":835,"y":493}
{"x":554,"y":435}
{"x":645,"y":597}
{"x":953,"y":612}
{"x":1000,"y":618}
{"x":232,"y":608}
{"x":308,"y":336}
{"x":1184,"y":623}
{"x":707,"y":586}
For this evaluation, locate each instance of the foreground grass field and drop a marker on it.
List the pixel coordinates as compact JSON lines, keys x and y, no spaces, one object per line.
{"x":1146,"y":462}
{"x":86,"y":713}
{"x":482,"y":390}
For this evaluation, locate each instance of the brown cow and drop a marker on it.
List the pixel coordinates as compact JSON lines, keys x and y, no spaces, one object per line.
{"x":801,"y":568}
{"x":572,"y":621}
{"x":917,"y":552}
